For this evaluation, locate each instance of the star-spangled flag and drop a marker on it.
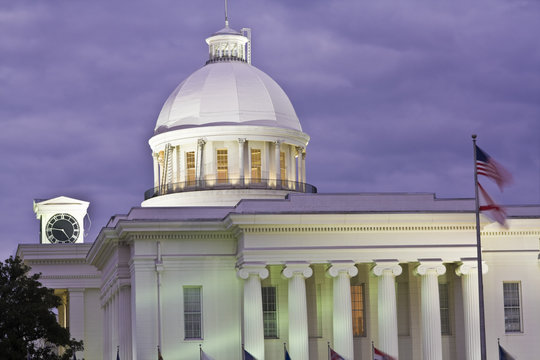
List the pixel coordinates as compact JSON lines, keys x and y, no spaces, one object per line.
{"x":504,"y":355}
{"x":335,"y":356}
{"x":486,"y":166}
{"x":379,"y":355}
{"x":494,"y":211}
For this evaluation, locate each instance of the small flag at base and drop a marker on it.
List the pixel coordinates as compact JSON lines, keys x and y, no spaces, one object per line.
{"x":379,"y":355}
{"x":205,"y":356}
{"x":334,"y":355}
{"x":287,"y":357}
{"x":248,"y":356}
{"x":504,"y":355}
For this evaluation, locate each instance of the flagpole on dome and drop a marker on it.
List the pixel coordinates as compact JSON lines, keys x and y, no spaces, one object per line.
{"x":372,"y":350}
{"x":479,"y":259}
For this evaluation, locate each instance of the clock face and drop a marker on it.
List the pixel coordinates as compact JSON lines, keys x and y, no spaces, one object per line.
{"x":62,"y":229}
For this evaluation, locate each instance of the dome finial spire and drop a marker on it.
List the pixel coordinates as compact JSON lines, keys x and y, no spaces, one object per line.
{"x":226,"y":15}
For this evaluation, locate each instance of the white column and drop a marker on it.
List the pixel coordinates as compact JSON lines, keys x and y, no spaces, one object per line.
{"x":125,"y":320}
{"x":277,"y":164}
{"x":430,"y":307}
{"x":175,"y":169}
{"x":116,"y":322}
{"x":292,"y":165}
{"x":156,"y":169}
{"x":304,"y":167}
{"x":200,"y":162}
{"x":105,"y":334}
{"x":468,"y":271}
{"x":76,"y":315}
{"x":299,"y":151}
{"x":298,"y":321}
{"x":241,"y":145}
{"x":253,"y":311}
{"x":387,"y":312}
{"x":342,"y":310}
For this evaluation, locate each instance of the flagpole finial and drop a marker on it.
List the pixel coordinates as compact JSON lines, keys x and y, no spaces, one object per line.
{"x":474,"y":136}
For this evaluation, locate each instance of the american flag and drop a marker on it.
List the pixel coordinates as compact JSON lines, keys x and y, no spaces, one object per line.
{"x":486,"y":166}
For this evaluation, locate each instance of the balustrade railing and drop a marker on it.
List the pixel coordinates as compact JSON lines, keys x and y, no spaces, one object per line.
{"x":220,"y":184}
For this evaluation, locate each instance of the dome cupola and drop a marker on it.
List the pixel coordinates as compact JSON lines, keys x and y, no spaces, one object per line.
{"x":227,"y":132}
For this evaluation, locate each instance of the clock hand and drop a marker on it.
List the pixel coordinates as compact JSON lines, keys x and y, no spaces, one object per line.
{"x":62,"y":230}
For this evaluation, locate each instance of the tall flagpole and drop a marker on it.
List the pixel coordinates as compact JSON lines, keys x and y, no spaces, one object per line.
{"x":479,"y":260}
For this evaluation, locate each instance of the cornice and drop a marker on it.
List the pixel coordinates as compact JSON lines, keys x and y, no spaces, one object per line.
{"x":68,"y":276}
{"x":56,"y":261}
{"x":182,"y":236}
{"x":353,"y":228}
{"x":503,"y":232}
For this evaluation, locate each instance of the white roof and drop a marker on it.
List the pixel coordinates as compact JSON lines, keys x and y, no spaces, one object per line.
{"x":231,"y":92}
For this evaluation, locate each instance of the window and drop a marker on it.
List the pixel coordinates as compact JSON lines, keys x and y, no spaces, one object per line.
{"x":282,"y":166}
{"x":192,"y":313}
{"x":190,"y":168}
{"x":269,"y":302}
{"x":512,"y":307}
{"x":256,"y":165}
{"x":445,"y":309}
{"x":222,"y":166}
{"x":358,"y":317}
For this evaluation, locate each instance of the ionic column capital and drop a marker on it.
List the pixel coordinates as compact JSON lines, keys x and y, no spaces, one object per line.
{"x":247,"y":270}
{"x":467,"y":267}
{"x":241,"y":140}
{"x":430,"y":265}
{"x":348,"y":268}
{"x":382,"y":267}
{"x":201,"y":142}
{"x":277,"y":142}
{"x":302,"y":269}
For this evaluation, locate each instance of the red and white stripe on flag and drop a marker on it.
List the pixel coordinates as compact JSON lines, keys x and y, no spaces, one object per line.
{"x":379,"y":355}
{"x":487,"y":166}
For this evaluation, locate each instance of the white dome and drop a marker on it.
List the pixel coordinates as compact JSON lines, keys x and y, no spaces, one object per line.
{"x":230,"y":92}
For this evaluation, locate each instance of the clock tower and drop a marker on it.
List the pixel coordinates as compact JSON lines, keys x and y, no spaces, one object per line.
{"x":61,"y":220}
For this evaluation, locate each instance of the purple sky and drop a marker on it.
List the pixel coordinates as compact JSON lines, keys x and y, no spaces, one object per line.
{"x":390,"y":93}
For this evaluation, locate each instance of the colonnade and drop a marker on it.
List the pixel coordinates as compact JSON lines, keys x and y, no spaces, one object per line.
{"x":342,"y":272}
{"x":296,"y":161}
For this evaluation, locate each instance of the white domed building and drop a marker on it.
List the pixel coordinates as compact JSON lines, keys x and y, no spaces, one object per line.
{"x":232,"y":248}
{"x":227,"y":132}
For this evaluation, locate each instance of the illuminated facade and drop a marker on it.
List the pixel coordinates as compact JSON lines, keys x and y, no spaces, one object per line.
{"x":232,"y":246}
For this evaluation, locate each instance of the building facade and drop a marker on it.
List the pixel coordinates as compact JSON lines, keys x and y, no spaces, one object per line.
{"x":233,"y":248}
